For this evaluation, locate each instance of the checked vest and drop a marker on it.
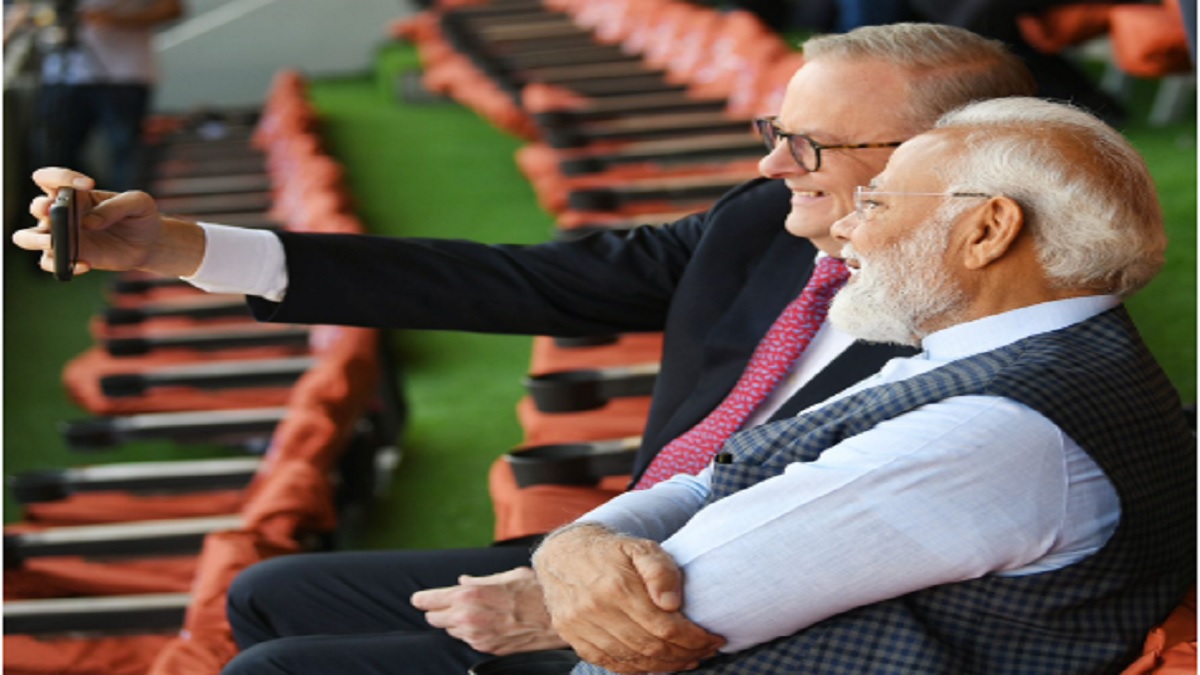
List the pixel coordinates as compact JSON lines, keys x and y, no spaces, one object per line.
{"x":1099,"y":384}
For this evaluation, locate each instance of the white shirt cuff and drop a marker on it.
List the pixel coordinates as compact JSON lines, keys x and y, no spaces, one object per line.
{"x":241,"y":260}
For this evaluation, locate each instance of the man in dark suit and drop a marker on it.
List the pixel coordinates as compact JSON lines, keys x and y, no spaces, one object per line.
{"x":714,"y":282}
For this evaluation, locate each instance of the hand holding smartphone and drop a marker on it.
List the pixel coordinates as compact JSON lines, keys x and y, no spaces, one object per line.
{"x":64,"y":233}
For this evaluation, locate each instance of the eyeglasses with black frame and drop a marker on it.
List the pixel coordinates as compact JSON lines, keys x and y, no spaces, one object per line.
{"x":804,"y":149}
{"x":865,"y":204}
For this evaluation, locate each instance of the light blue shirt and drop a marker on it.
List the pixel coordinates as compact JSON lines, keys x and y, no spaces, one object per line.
{"x":954,"y":490}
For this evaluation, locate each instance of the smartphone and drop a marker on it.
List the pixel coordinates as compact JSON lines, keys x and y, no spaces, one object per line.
{"x":64,"y":233}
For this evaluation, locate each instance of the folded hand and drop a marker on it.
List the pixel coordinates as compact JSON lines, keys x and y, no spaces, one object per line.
{"x":617,"y":601}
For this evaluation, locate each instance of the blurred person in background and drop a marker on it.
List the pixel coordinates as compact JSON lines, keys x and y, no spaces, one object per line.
{"x":98,"y":74}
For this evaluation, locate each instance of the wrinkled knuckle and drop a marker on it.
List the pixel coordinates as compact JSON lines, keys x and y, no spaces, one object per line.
{"x":474,"y":620}
{"x":667,"y":630}
{"x":663,"y":648}
{"x":655,"y":650}
{"x":609,"y":587}
{"x":467,"y":633}
{"x":643,"y":546}
{"x":605,"y":661}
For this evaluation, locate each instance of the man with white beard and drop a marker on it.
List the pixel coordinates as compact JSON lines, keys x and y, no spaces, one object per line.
{"x":897,"y":298}
{"x":1018,"y":498}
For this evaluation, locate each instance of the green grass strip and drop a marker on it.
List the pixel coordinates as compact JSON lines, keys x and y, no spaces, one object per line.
{"x":437,"y":170}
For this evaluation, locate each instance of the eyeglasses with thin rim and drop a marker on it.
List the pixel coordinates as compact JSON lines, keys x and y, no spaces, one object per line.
{"x":865,"y":203}
{"x":804,"y":149}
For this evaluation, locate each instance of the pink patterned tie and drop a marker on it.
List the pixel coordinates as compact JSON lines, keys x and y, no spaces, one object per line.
{"x":772,"y":359}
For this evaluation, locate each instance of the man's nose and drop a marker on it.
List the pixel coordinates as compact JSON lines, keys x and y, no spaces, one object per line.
{"x":778,"y":162}
{"x":844,"y":227}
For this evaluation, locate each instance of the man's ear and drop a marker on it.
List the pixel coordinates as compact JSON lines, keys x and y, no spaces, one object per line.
{"x":994,"y":232}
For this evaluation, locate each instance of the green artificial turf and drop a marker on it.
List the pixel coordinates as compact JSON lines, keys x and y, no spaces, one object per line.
{"x":434,"y":169}
{"x":1165,"y":311}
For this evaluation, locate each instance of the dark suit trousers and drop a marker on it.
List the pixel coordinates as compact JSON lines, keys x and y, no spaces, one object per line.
{"x":349,"y":613}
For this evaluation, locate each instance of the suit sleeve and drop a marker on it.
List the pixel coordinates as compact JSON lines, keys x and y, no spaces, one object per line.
{"x":602,"y":283}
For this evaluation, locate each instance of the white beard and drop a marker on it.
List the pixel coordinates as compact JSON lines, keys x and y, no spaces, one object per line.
{"x":899,"y":292}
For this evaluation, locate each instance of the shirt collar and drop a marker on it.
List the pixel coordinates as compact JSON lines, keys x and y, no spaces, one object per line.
{"x":993,"y":332}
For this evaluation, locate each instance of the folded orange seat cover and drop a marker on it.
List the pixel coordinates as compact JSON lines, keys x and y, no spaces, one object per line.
{"x":661,"y":39}
{"x":290,"y":496}
{"x":95,"y":508}
{"x":692,"y":44}
{"x":524,"y":511}
{"x":82,"y":375}
{"x":571,"y":219}
{"x":206,"y":642}
{"x":538,"y":97}
{"x":629,"y":349}
{"x":1170,"y":648}
{"x":123,"y":655}
{"x":742,"y":50}
{"x":417,"y":27}
{"x":154,"y":325}
{"x":174,"y":292}
{"x":553,"y":191}
{"x":72,"y":576}
{"x":619,"y":417}
{"x":1055,"y":28}
{"x":537,"y":509}
{"x":294,"y":497}
{"x":1149,"y":40}
{"x":175,"y":326}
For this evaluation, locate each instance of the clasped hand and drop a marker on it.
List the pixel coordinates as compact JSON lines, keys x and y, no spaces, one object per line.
{"x":497,"y":614}
{"x":616,"y":600}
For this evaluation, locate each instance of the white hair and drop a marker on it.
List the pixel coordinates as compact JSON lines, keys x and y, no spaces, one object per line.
{"x":1084,"y":191}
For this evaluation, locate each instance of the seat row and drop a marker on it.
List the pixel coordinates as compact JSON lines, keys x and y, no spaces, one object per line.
{"x":1145,"y":40}
{"x":639,"y":110}
{"x":303,"y":419}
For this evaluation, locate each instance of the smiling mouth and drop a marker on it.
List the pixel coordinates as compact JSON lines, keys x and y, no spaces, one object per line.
{"x":808,"y":194}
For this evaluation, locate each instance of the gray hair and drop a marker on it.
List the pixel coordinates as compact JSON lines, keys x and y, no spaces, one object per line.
{"x":950,"y":67}
{"x":1085,"y":192}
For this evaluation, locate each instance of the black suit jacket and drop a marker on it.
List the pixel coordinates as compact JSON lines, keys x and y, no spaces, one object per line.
{"x":713,"y":282}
